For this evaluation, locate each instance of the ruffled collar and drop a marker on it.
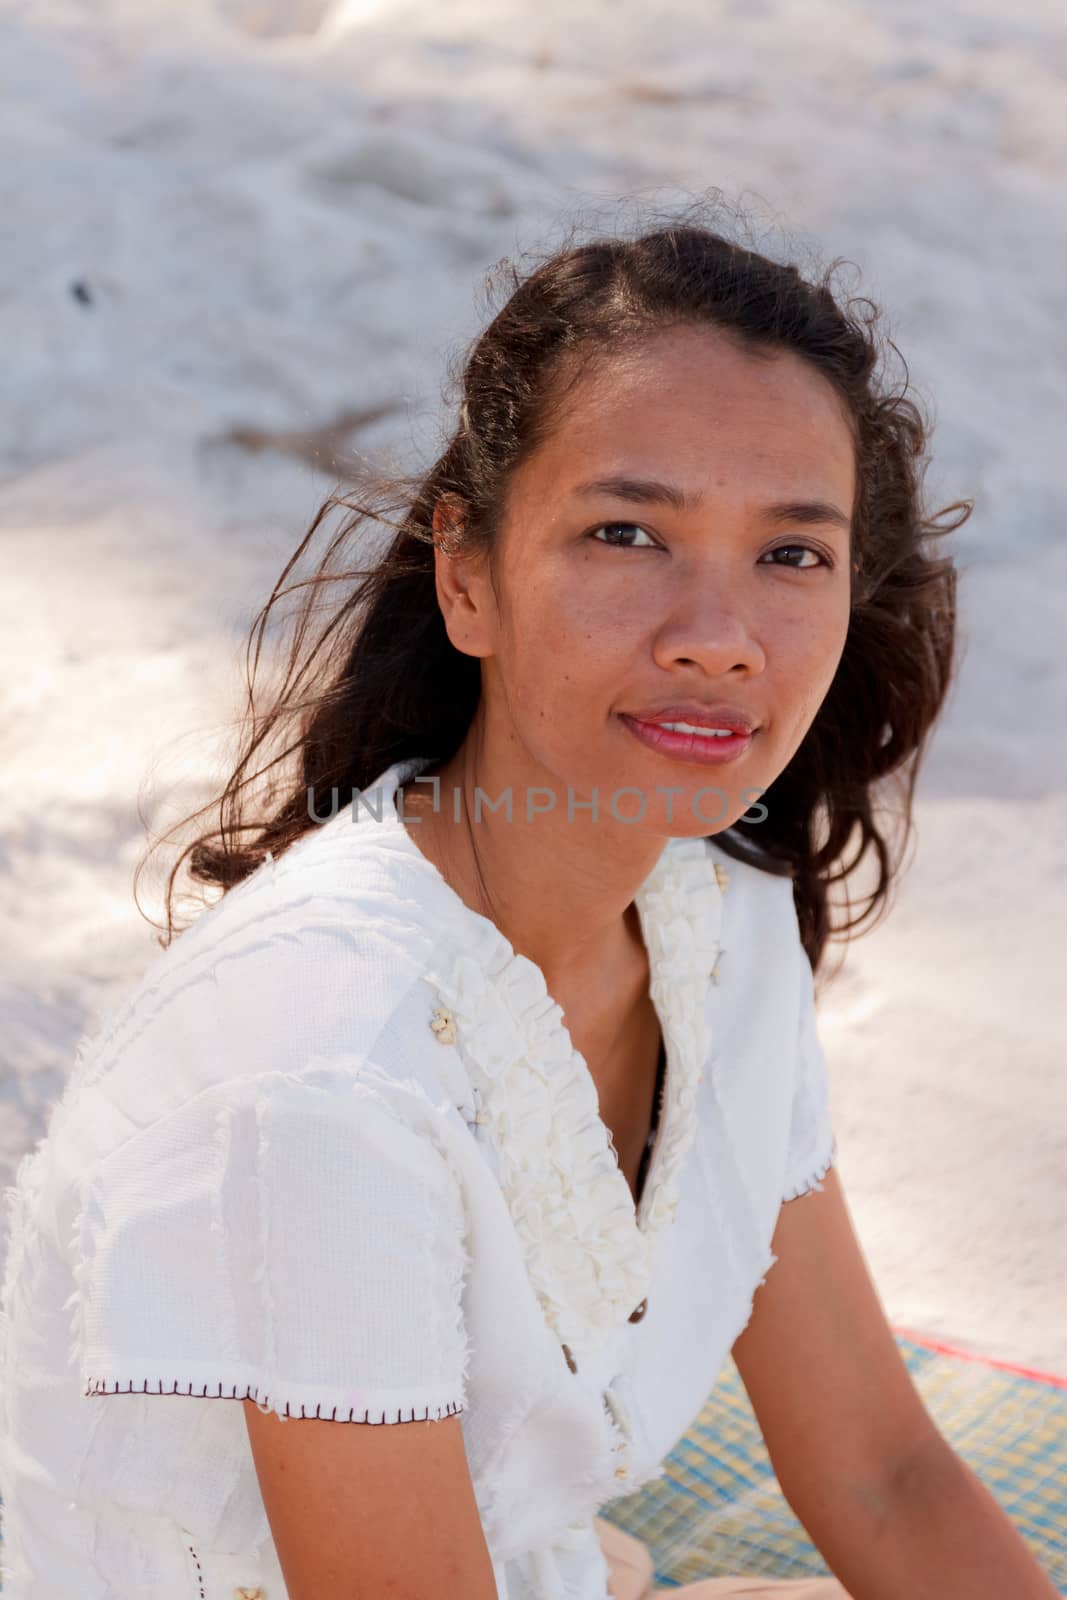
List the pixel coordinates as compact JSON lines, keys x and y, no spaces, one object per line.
{"x":587,"y":1248}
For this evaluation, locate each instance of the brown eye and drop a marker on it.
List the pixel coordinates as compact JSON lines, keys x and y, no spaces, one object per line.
{"x":802,"y":548}
{"x":618,"y":545}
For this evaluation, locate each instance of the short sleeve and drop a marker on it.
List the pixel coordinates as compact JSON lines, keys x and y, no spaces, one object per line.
{"x":812,"y":1147}
{"x":299,"y":1240}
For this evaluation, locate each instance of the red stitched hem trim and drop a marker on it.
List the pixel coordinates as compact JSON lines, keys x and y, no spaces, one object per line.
{"x":104,"y":1386}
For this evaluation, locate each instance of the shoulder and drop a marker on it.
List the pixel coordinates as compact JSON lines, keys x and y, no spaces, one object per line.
{"x":749,"y":880}
{"x":319,"y":955}
{"x":759,"y":909}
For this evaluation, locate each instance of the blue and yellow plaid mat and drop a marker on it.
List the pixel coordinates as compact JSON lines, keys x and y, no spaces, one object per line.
{"x":717,"y":1510}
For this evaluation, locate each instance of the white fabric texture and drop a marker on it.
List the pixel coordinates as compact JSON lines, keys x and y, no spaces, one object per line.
{"x":337,"y":1153}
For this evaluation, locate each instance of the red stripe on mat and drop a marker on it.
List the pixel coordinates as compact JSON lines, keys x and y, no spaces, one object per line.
{"x":985,"y":1361}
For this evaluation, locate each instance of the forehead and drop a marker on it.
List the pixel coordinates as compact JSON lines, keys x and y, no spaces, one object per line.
{"x":691,"y":404}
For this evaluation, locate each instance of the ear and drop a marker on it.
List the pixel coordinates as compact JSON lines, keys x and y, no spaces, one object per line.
{"x":448,"y":517}
{"x":463,"y":591}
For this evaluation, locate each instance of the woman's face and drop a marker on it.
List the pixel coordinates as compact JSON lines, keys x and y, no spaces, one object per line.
{"x":613,"y":604}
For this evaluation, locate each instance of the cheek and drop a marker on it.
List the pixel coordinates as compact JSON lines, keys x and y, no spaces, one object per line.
{"x":566,"y":655}
{"x":809,"y":658}
{"x":572,"y":622}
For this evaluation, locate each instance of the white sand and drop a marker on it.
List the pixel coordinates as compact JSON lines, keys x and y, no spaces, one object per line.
{"x":273,"y":224}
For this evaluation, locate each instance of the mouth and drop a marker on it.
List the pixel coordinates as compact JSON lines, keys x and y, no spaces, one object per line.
{"x":689,"y":741}
{"x":694,"y":716}
{"x":690,"y":727}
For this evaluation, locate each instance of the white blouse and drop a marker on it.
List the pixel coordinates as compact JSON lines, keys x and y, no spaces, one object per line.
{"x":338,"y":1153}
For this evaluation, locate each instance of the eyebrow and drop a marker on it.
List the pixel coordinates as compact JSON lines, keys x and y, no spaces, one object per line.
{"x":649,"y":491}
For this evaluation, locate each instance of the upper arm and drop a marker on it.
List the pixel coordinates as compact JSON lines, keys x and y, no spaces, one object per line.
{"x":362,"y":1510}
{"x":833,"y":1398}
{"x":300,"y":1240}
{"x":831,"y":1393}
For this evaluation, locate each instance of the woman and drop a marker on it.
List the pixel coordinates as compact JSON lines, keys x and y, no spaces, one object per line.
{"x":485,"y":1098}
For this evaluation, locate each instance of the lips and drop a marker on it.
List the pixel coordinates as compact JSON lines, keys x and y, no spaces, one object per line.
{"x":688,"y":744}
{"x":699,"y":716}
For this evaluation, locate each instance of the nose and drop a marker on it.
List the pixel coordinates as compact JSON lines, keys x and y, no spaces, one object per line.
{"x":710,"y":629}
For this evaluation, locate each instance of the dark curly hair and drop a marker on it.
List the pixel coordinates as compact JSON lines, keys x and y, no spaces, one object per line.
{"x":380,"y":681}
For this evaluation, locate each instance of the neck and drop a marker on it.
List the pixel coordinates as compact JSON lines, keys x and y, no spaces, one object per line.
{"x":561,"y":892}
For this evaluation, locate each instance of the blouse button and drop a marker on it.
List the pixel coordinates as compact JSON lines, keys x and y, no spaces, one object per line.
{"x":443,"y":1025}
{"x":622,"y":1472}
{"x":638,"y":1312}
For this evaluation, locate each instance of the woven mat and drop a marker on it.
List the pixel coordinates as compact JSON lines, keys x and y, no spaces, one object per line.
{"x":717,"y":1511}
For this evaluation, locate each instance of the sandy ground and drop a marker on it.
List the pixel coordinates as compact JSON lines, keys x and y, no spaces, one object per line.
{"x":265,"y":215}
